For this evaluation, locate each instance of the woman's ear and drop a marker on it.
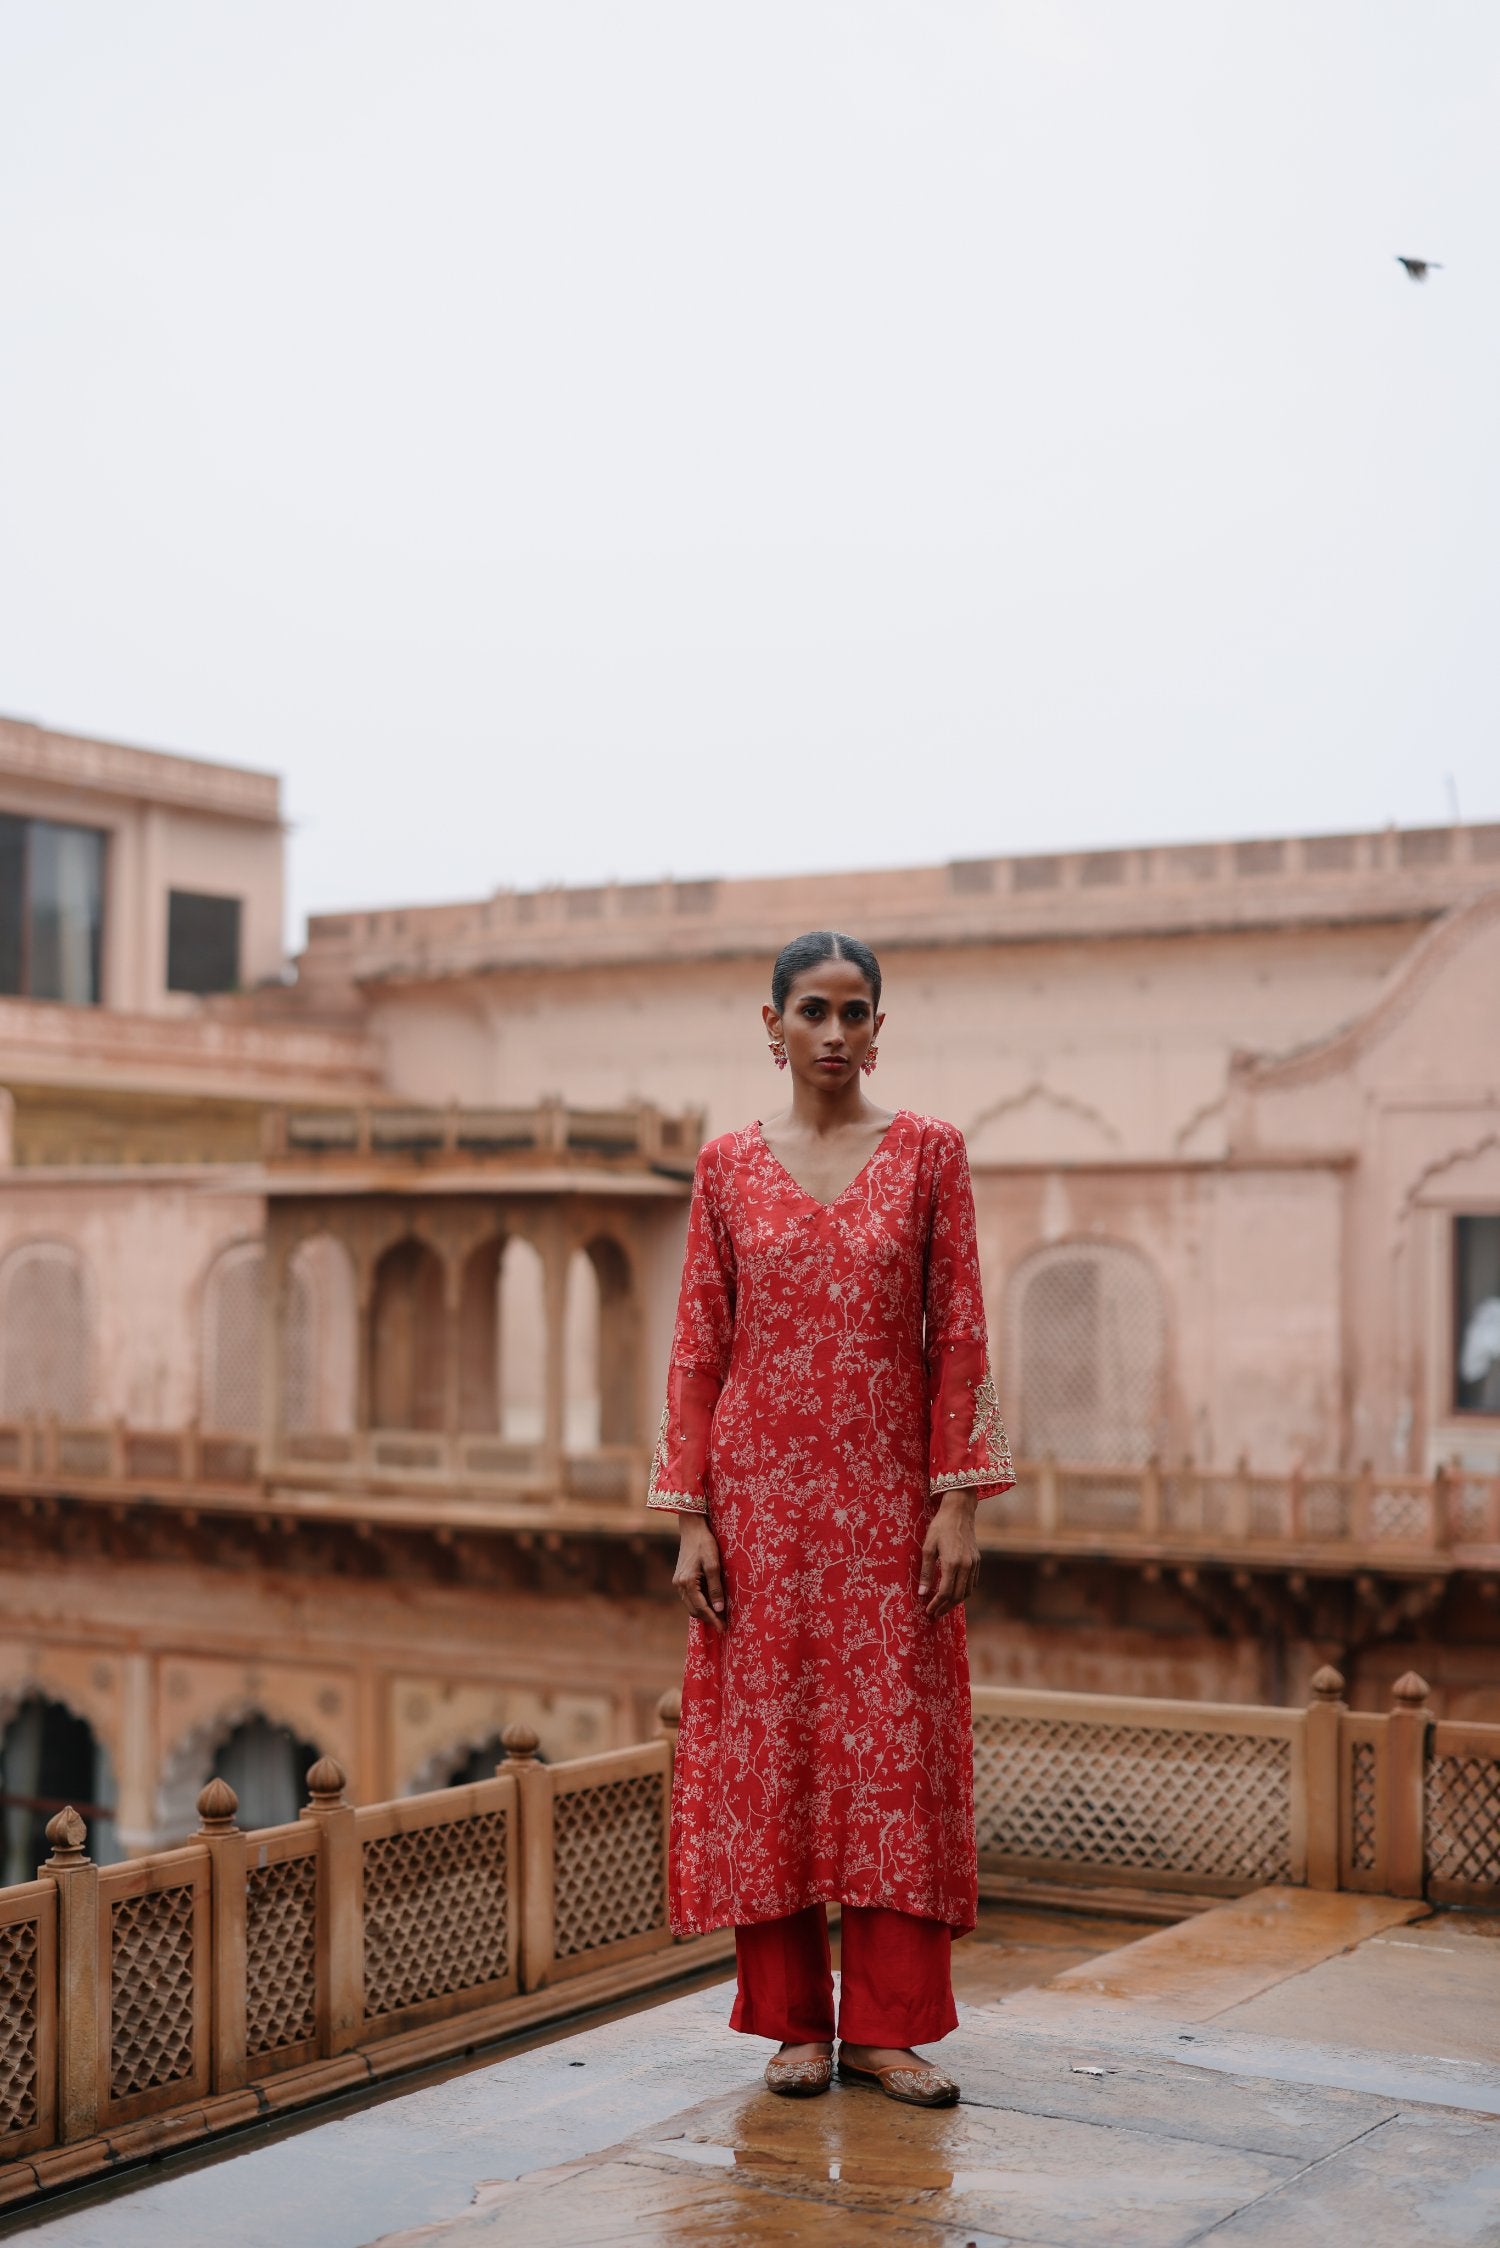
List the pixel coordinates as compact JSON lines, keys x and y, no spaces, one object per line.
{"x":771,"y":1017}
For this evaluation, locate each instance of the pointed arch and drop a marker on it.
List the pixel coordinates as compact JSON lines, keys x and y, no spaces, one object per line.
{"x":50,"y":1756}
{"x":602,"y":1339}
{"x":409,"y":1332}
{"x":523,"y":1330}
{"x":1086,"y":1327}
{"x":201,"y":1752}
{"x":46,"y":1333}
{"x":229,"y":1359}
{"x":320,"y":1341}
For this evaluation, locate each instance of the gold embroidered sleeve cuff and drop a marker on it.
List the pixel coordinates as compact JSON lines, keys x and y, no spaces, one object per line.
{"x":970,"y":1450}
{"x":675,"y":1502}
{"x":678,"y":1463}
{"x":984,"y":1479}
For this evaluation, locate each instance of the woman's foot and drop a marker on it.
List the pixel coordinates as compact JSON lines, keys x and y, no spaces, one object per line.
{"x":799,"y":2072}
{"x":898,"y":2072}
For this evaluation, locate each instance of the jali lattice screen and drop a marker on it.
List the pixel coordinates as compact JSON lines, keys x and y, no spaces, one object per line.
{"x":437,"y":1910}
{"x":608,"y":1845}
{"x":280,"y":1957}
{"x":18,"y":2028}
{"x":1136,"y":1798}
{"x":1463,"y":1820}
{"x":151,"y":1968}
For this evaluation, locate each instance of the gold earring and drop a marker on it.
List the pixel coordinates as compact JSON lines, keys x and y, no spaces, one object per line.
{"x":778,"y":1053}
{"x":871,"y":1058}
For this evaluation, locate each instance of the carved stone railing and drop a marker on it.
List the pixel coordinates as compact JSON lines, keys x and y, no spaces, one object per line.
{"x":638,"y":1132}
{"x":1334,"y":1518}
{"x":1216,"y":1798}
{"x":43,"y":1450}
{"x":54,"y":1456}
{"x":1227,"y":1510}
{"x":175,"y":1997}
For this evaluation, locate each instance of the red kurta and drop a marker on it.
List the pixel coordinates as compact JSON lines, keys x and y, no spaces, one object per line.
{"x":829,"y":1381}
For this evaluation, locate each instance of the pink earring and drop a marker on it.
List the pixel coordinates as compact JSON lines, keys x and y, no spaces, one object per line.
{"x":778,"y":1053}
{"x":868,"y":1064}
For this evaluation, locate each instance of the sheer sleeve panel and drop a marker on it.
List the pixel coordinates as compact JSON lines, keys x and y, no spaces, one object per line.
{"x":969,"y":1450}
{"x":701,"y":1344}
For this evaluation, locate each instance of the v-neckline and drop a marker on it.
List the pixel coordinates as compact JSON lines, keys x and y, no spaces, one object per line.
{"x":816,"y":1199}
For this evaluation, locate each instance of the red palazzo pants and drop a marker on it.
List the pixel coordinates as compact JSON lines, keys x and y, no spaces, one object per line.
{"x":894,"y":1983}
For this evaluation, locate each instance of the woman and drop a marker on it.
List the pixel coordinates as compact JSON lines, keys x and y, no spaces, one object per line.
{"x":830,"y":1425}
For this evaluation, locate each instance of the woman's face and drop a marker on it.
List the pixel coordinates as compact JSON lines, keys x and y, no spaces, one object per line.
{"x":827,"y":1025}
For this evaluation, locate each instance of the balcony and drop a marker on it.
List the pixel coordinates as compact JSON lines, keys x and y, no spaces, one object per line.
{"x":1157,"y":1517}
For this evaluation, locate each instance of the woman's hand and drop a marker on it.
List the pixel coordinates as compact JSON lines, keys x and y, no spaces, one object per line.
{"x":697,"y":1576}
{"x":950,"y":1555}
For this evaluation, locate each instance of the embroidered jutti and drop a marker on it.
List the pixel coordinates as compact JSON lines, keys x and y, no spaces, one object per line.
{"x":829,"y":1381}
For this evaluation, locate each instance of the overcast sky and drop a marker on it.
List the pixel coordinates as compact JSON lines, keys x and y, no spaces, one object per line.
{"x":569,"y":440}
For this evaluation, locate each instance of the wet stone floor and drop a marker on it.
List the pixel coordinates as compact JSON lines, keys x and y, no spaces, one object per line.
{"x":1288,"y":2068}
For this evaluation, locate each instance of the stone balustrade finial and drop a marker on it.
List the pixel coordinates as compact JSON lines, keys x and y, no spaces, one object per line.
{"x":1327,"y":1684}
{"x":217,"y":1804}
{"x":669,"y":1709}
{"x":520,"y":1742}
{"x":326,"y":1783}
{"x":67,"y":1833}
{"x":1411,"y":1689}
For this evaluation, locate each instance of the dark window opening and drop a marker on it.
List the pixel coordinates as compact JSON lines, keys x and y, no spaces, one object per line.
{"x":51,"y":910}
{"x":1476,"y":1322}
{"x":480,"y":1763}
{"x":267,"y":1766}
{"x":203,"y":942}
{"x":48,"y":1760}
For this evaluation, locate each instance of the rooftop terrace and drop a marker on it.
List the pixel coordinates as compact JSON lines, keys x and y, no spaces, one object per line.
{"x":1285,"y":2067}
{"x":1308,"y":2030}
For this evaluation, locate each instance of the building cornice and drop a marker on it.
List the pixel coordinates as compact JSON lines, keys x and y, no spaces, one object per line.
{"x":1400,"y":877}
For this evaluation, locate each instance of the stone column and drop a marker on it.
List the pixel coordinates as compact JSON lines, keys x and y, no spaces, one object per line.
{"x":274,"y":1297}
{"x":136,"y":1769}
{"x":554,"y":1388}
{"x":453,"y":1284}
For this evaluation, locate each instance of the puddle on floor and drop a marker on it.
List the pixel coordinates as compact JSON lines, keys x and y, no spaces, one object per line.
{"x":911,"y":2177}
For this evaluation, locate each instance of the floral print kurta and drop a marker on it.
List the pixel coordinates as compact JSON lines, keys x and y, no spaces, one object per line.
{"x":829,"y":1382}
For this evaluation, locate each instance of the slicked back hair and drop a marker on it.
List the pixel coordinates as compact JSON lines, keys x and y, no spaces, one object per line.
{"x":818,"y":945}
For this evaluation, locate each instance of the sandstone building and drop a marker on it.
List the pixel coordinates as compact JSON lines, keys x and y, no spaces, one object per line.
{"x":333,"y":1310}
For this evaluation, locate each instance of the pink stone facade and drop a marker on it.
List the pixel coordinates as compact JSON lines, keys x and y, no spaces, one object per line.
{"x":1233,"y":1114}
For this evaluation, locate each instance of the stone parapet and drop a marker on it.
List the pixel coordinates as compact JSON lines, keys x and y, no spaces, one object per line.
{"x":117,"y":769}
{"x":1285,"y":881}
{"x":169,"y":1997}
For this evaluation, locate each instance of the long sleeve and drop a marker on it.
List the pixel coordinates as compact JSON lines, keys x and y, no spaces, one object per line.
{"x":968,"y":1446}
{"x":701,"y":1344}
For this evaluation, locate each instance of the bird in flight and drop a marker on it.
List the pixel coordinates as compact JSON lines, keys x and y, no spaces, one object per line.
{"x":1417,"y":269}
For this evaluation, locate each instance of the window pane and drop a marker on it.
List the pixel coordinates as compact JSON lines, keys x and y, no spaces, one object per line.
{"x":66,"y":881}
{"x":12,"y":902}
{"x":203,"y":942}
{"x":1476,"y":1259}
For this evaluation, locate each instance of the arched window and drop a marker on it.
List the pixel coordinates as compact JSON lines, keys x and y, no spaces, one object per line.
{"x":619,"y":1336}
{"x":50,"y":1758}
{"x":410,"y":1330}
{"x":601,"y":1347}
{"x":523,"y":1344}
{"x":319,"y":1343}
{"x":267,"y":1766}
{"x":1087,"y":1341}
{"x":479,"y":1341}
{"x":46,"y":1347}
{"x":231,"y":1340}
